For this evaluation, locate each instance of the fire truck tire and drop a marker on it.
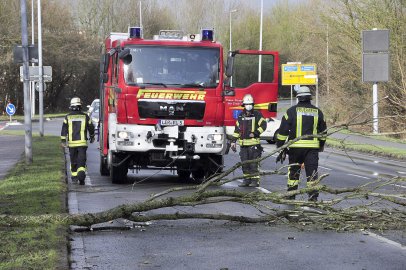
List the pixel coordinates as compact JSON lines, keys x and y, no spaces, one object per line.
{"x":118,"y":174}
{"x":208,"y":167}
{"x":184,"y":176}
{"x":198,"y":176}
{"x":104,"y":170}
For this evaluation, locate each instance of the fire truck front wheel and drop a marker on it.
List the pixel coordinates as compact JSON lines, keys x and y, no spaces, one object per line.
{"x":198,"y":176}
{"x":208,"y":166}
{"x":184,"y":176}
{"x":118,"y":170}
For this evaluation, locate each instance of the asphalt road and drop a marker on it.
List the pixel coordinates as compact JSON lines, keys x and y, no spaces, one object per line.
{"x":205,"y":244}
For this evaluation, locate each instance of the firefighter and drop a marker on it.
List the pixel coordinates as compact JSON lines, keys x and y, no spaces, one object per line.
{"x":75,"y":129}
{"x":302,"y":119}
{"x":249,"y":125}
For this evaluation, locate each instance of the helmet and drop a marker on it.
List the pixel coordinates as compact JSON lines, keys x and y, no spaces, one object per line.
{"x":248,"y":99}
{"x":75,"y":102}
{"x":303,"y":91}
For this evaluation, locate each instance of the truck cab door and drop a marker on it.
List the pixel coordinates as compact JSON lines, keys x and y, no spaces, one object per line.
{"x":245,"y":76}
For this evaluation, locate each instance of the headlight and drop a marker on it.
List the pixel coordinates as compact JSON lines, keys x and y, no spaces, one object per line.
{"x":215,"y":137}
{"x":124,"y":135}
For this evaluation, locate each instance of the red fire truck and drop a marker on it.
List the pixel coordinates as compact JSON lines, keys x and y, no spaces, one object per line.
{"x":165,"y":102}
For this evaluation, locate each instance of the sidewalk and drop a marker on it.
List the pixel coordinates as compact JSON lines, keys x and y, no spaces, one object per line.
{"x":11,"y":151}
{"x":353,"y":138}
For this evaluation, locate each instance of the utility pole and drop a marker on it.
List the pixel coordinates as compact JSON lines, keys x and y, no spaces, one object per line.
{"x":327,"y":63}
{"x":26,"y":79}
{"x":32,"y":83}
{"x":40,"y":73}
{"x":141,"y":18}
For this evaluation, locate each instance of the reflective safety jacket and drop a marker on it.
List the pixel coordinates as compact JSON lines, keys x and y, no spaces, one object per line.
{"x":247,"y":124}
{"x":75,"y":129}
{"x":302,"y":119}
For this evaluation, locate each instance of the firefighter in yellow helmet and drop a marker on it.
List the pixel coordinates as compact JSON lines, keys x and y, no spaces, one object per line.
{"x":75,"y":130}
{"x":249,"y":125}
{"x":302,"y":119}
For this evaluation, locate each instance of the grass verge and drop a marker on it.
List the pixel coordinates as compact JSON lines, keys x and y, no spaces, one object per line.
{"x":381,"y":137}
{"x":367,"y":148}
{"x":30,"y":190}
{"x":35,"y":118}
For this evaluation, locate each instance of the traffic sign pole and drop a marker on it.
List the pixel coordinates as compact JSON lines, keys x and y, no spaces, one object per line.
{"x":375,"y":65}
{"x":41,"y":72}
{"x":375,"y":108}
{"x":27,"y":103}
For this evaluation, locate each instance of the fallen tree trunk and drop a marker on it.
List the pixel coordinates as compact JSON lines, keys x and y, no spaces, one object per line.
{"x":322,"y":214}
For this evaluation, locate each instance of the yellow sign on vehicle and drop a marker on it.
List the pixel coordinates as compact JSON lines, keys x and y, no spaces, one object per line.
{"x":303,"y":74}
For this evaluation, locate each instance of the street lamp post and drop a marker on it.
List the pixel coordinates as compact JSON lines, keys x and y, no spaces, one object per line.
{"x":231,"y":11}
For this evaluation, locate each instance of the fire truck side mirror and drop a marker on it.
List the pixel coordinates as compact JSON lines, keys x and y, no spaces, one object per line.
{"x":125,"y":55}
{"x":229,"y":66}
{"x":105,"y":77}
{"x":105,"y":60}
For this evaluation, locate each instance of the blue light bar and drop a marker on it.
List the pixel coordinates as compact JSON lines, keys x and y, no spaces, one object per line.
{"x":135,"y":32}
{"x":207,"y":34}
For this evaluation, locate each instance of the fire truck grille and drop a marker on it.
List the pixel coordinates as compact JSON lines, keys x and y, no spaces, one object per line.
{"x":178,"y":110}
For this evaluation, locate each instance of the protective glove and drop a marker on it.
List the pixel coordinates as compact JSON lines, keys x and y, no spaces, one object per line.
{"x":91,"y":140}
{"x":234,"y":146}
{"x":282,"y":156}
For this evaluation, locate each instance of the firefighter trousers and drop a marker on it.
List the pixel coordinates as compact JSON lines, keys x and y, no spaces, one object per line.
{"x":310,"y":158}
{"x":250,"y":153}
{"x":78,"y":162}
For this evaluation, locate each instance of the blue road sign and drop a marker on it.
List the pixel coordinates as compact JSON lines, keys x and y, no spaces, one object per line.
{"x":10,"y":109}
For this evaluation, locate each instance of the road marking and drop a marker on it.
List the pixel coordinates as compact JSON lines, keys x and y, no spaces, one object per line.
{"x":232,"y":184}
{"x":359,"y":176}
{"x":325,"y":168}
{"x":398,"y":185}
{"x":88,"y":182}
{"x":264,"y":190}
{"x":386,"y":240}
{"x":401,"y":172}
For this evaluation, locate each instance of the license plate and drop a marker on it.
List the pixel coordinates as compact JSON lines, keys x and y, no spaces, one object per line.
{"x":167,"y":122}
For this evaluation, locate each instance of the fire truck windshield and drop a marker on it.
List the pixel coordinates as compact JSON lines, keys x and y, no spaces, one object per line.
{"x":174,"y":66}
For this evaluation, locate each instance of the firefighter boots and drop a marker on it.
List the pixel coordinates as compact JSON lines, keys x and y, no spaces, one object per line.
{"x":254,"y":183}
{"x":312,"y":198}
{"x":245,"y":183}
{"x":81,"y":177}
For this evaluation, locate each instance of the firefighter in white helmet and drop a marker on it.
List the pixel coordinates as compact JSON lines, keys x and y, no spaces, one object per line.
{"x":299,"y":120}
{"x":75,"y":130}
{"x":249,"y":125}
